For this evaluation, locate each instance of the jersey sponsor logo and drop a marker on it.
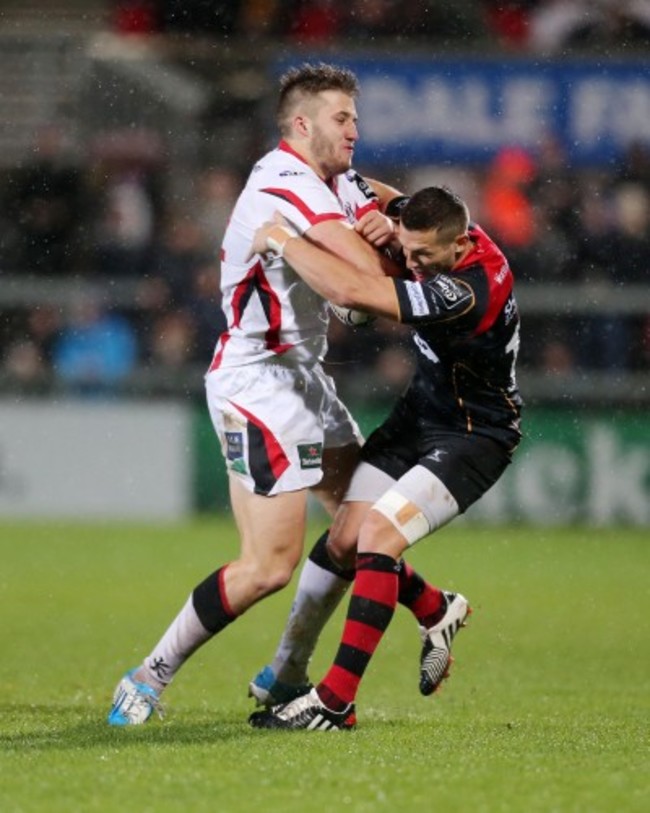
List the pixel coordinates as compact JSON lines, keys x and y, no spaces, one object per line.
{"x":417,"y":299}
{"x":291,"y":173}
{"x":502,"y":274}
{"x":510,"y":310}
{"x":424,"y":348}
{"x":234,"y":445}
{"x":450,"y":292}
{"x":364,"y":187}
{"x":310,"y":455}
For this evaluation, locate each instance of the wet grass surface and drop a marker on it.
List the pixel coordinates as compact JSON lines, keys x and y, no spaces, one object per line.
{"x":546,"y":710}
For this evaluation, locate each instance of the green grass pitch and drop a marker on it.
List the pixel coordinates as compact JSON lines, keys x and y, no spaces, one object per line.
{"x":547,"y":708}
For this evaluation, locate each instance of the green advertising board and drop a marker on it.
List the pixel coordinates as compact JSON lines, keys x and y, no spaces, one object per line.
{"x":576,"y":467}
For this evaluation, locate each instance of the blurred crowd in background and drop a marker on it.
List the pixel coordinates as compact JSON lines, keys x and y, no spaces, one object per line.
{"x":549,"y":25}
{"x":145,"y":257}
{"x":114,"y":220}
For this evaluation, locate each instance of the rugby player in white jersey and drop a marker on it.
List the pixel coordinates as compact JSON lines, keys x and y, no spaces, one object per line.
{"x":282,"y":428}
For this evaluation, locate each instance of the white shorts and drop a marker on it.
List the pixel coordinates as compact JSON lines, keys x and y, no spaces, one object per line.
{"x":274,"y":421}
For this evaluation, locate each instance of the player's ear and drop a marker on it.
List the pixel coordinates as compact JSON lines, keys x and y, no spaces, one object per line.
{"x":459,"y":244}
{"x":301,"y":125}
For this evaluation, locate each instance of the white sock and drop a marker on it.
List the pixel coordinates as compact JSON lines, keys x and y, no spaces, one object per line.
{"x":318,"y":595}
{"x":183,"y":637}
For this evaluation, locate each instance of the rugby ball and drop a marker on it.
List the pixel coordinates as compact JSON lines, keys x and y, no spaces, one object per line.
{"x":350,"y":316}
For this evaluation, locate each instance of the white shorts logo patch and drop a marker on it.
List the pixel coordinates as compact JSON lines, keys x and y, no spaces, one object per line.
{"x":234,"y":445}
{"x":310,"y":455}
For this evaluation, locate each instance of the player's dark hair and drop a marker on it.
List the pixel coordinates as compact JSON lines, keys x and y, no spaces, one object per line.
{"x":436,"y":207}
{"x":307,"y":80}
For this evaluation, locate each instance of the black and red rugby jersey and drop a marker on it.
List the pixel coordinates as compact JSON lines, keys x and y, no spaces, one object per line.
{"x":466,"y":330}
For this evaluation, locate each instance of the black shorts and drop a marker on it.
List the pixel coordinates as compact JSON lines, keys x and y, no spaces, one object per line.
{"x":467,"y":463}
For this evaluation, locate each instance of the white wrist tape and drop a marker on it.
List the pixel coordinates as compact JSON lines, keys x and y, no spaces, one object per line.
{"x":277,"y":239}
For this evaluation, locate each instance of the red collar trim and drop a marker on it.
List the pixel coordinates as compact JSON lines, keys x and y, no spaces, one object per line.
{"x":288,"y":148}
{"x":285,"y":147}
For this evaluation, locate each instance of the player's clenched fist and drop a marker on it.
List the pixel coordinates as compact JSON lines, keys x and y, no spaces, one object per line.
{"x":376,"y":228}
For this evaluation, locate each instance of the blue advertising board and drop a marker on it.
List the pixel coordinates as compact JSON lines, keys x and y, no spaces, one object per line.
{"x":465,"y":109}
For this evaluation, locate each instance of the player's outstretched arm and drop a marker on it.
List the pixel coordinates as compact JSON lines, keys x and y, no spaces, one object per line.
{"x":333,"y":278}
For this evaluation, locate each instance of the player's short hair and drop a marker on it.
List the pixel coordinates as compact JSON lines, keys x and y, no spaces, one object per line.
{"x":436,"y":207}
{"x":306,"y":81}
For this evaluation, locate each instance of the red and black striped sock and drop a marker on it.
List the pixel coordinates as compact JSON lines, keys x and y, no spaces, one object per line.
{"x":425,"y":601}
{"x":371,"y":608}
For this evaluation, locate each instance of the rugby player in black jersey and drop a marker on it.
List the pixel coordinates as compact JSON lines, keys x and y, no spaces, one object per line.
{"x":447,"y":440}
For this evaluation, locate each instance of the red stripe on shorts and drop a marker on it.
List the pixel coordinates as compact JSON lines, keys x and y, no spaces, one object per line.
{"x":277,"y":459}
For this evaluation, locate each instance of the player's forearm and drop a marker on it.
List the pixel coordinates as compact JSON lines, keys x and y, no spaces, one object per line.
{"x":352,"y":246}
{"x":330,"y":276}
{"x":333,"y":278}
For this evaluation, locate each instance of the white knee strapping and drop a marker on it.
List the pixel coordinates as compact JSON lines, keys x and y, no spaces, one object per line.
{"x":418,"y":504}
{"x":404,"y":515}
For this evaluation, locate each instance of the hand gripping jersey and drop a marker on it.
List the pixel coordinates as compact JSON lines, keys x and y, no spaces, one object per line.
{"x":270,"y":311}
{"x":466,"y":330}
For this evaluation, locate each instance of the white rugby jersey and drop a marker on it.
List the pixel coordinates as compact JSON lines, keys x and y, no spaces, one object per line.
{"x":270,"y":311}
